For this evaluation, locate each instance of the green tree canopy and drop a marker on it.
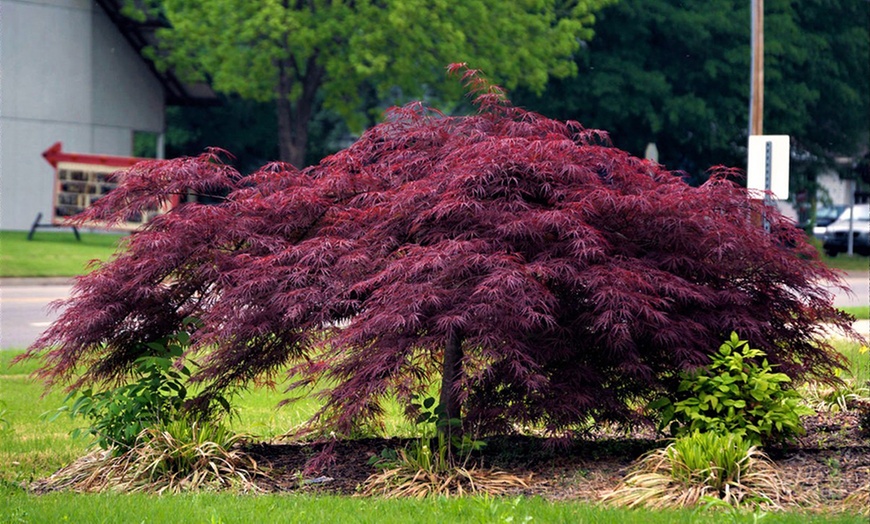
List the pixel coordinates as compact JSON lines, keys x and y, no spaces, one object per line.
{"x":291,"y":51}
{"x":677,"y":74}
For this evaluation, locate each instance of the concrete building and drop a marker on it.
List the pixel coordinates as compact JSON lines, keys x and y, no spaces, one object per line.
{"x":72,"y":71}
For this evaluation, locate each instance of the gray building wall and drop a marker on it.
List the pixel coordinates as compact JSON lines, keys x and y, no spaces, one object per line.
{"x":66,"y":74}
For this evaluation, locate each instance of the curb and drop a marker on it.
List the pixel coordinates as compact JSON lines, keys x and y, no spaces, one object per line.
{"x":862,"y":327}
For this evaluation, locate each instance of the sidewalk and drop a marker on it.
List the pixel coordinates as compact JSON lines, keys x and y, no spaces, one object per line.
{"x":862,"y":327}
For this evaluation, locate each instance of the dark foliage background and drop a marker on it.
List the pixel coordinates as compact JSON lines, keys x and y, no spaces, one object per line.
{"x":677,"y":74}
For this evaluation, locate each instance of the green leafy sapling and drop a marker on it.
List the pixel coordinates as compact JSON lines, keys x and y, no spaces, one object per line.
{"x":441,"y":444}
{"x":738,"y":393}
{"x":154,"y":393}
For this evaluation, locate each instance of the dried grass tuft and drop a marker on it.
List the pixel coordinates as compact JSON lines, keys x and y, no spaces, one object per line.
{"x":858,"y":501}
{"x":684,"y":475}
{"x":404,"y":480}
{"x":162,"y":462}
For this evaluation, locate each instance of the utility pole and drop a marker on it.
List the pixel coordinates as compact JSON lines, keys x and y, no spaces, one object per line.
{"x":756,"y":92}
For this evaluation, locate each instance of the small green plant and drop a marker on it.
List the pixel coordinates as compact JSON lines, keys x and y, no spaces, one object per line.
{"x":440,"y":445}
{"x":834,"y":467}
{"x":737,"y":393}
{"x":435,"y":463}
{"x":698,"y":468}
{"x":155,"y":393}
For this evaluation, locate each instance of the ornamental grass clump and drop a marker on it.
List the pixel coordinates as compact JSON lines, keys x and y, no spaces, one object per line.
{"x":858,"y":501}
{"x":177,"y":456}
{"x":543,"y":276}
{"x":699,"y":468}
{"x":404,"y":478}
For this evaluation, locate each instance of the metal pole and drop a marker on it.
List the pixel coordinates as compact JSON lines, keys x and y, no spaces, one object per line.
{"x":756,"y":91}
{"x":161,"y":145}
{"x":768,"y":182}
{"x":850,"y":243}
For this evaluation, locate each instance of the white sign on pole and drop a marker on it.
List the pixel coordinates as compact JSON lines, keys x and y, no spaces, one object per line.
{"x":767,"y":166}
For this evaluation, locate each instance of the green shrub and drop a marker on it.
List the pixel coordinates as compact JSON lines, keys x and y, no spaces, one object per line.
{"x":154,"y":393}
{"x":736,"y":394}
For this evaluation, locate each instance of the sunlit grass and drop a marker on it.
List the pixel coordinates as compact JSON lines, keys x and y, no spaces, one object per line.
{"x":262,"y":416}
{"x":52,"y":253}
{"x":859,"y":312}
{"x":217,"y":508}
{"x":31,"y":446}
{"x":847,"y":263}
{"x":858,"y":356}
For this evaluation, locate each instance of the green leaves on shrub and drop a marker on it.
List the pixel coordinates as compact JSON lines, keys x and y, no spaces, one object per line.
{"x":441,"y":445}
{"x":737,"y":393}
{"x":154,"y":393}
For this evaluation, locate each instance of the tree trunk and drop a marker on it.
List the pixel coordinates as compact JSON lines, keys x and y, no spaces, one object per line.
{"x":451,"y":374}
{"x":294,"y":116}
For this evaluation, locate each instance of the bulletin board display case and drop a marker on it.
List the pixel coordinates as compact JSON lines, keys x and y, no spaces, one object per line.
{"x":82,"y":179}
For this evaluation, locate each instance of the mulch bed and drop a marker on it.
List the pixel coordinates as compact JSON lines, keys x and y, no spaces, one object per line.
{"x":829,"y":462}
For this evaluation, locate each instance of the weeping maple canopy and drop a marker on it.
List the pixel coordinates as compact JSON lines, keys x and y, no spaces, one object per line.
{"x":545,"y":277}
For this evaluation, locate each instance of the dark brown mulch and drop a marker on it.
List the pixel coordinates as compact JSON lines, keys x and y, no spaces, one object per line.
{"x":830,"y":462}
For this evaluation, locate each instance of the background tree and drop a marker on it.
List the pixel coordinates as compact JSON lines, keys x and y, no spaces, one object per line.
{"x":291,"y":52}
{"x":248,"y":129}
{"x":677,"y":74}
{"x":542,"y":276}
{"x":245,"y":127}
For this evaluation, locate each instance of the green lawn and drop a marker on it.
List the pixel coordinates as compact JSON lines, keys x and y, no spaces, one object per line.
{"x":213,"y":508}
{"x":859,"y":312}
{"x":52,"y":253}
{"x":847,"y":263}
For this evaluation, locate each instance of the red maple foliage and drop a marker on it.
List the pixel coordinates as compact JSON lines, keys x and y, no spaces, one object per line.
{"x":544,"y":276}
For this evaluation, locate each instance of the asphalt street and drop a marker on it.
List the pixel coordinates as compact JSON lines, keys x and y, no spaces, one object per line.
{"x":24,"y":311}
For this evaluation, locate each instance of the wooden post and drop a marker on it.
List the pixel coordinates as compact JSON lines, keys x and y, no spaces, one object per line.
{"x":756,"y":92}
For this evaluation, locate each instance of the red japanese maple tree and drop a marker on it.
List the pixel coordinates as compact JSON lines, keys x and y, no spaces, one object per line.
{"x":545,"y":277}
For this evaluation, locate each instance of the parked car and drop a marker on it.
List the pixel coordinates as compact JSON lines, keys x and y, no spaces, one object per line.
{"x":836,"y":236}
{"x":825,"y":216}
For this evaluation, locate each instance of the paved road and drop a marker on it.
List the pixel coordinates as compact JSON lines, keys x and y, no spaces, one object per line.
{"x":24,"y":314}
{"x":859,"y":283}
